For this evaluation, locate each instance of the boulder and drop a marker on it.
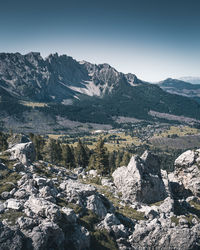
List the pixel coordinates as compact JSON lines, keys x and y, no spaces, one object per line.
{"x":11,"y":238}
{"x":24,"y":152}
{"x":14,"y":204}
{"x":95,"y":204}
{"x":69,"y":214}
{"x":156,"y":236}
{"x":26,"y":223}
{"x":113,"y":226}
{"x":81,"y":238}
{"x":43,"y":208}
{"x":47,"y":236}
{"x":141,"y":180}
{"x":76,"y":190}
{"x":187,"y":171}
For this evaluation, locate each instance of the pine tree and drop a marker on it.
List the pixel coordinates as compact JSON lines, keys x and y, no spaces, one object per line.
{"x":39,"y":143}
{"x":81,"y":156}
{"x":68,"y":156}
{"x":125,"y":159}
{"x":3,"y":141}
{"x":58,"y":153}
{"x":101,"y":158}
{"x":53,"y":151}
{"x":92,"y":162}
{"x":118,"y":159}
{"x":111,"y":160}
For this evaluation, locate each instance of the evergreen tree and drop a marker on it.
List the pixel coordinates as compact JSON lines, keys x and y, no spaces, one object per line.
{"x":118,"y":159}
{"x":58,"y":153}
{"x":68,"y":156}
{"x":125,"y":159}
{"x":39,"y":143}
{"x":92,"y":162}
{"x":81,"y":156}
{"x":3,"y":141}
{"x":53,"y":151}
{"x":111,"y":160}
{"x":101,"y":158}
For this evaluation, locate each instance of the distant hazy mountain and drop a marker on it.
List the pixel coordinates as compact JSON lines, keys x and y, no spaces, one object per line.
{"x":84,"y":92}
{"x":180,"y":87}
{"x":190,"y":79}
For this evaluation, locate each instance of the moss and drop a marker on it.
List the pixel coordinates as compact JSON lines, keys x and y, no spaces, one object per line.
{"x":158,"y":203}
{"x":131,"y":213}
{"x":119,"y":194}
{"x":11,"y":216}
{"x":124,"y":210}
{"x":195,"y":208}
{"x":101,"y":240}
{"x":189,"y":218}
{"x":127,"y":222}
{"x":88,"y":220}
{"x":61,"y":202}
{"x":175,"y":220}
{"x":7,"y":187}
{"x":8,"y":181}
{"x":195,"y":205}
{"x":77,"y":209}
{"x":91,"y":180}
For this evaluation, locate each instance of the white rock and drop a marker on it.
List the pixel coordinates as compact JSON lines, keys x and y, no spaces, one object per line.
{"x":139,"y":181}
{"x":14,"y":204}
{"x":70,"y":214}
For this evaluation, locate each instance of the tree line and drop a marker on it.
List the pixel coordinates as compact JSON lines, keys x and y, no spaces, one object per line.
{"x":99,"y":158}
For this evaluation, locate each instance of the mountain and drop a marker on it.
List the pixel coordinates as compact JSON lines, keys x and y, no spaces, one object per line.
{"x":180,"y":87}
{"x":48,"y":90}
{"x":56,"y":78}
{"x":191,"y":79}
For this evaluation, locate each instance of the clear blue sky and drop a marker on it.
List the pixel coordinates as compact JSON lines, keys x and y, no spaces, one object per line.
{"x":154,"y":39}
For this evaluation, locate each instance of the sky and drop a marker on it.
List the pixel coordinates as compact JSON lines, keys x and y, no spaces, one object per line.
{"x":154,"y":39}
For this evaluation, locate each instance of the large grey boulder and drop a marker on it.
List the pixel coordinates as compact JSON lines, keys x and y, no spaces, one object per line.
{"x":47,"y":236}
{"x":113,"y":226}
{"x":141,"y":180}
{"x":154,"y":235}
{"x":85,"y":196}
{"x":95,"y":204}
{"x":24,"y":152}
{"x":80,"y":238}
{"x":187,"y":171}
{"x":10,"y":239}
{"x":43,"y":208}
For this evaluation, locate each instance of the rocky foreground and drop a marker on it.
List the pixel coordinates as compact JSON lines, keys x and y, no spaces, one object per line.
{"x":44,"y":206}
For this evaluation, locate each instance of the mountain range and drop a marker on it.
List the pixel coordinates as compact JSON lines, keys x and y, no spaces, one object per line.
{"x":180,"y":87}
{"x":81,"y":92}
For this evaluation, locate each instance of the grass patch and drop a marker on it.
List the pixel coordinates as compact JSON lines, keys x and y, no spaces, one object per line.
{"x":88,"y":220}
{"x":77,"y":209}
{"x":175,"y":220}
{"x":158,"y":203}
{"x":7,"y":187}
{"x":131,"y":213}
{"x":195,"y":208}
{"x":101,"y":240}
{"x":11,"y":216}
{"x":7,"y":181}
{"x":92,"y":180}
